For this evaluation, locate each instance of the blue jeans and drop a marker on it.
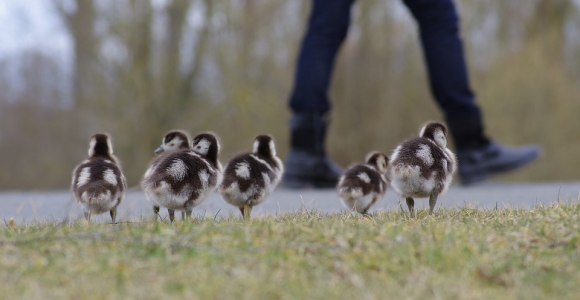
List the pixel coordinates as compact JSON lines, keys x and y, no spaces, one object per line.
{"x":439,"y":29}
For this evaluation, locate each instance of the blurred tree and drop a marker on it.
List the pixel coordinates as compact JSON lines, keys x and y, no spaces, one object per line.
{"x":142,"y":67}
{"x":36,"y":130}
{"x":549,"y":16}
{"x":80,"y":22}
{"x":151,"y":87}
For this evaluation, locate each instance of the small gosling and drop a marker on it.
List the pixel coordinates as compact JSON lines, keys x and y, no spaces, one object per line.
{"x":362,"y":185}
{"x":250,"y":178}
{"x":182,"y":178}
{"x":98,"y":184}
{"x":423,"y":166}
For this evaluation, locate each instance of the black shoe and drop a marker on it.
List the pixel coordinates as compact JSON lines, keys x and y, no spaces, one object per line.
{"x":305,"y":170}
{"x":307,"y":164}
{"x":478,"y":164}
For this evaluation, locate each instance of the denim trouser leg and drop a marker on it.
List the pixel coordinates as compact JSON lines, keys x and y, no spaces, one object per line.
{"x":439,"y":28}
{"x":442,"y":48}
{"x":326,"y":31}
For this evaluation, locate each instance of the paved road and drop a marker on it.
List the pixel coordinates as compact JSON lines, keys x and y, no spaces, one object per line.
{"x":57,"y":205}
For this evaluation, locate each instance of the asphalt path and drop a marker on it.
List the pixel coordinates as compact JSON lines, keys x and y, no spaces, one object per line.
{"x":57,"y":206}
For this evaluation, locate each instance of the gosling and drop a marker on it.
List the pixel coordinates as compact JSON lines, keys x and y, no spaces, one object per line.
{"x":362,"y":185}
{"x":423,"y":166}
{"x":98,"y":184}
{"x":250,"y":178}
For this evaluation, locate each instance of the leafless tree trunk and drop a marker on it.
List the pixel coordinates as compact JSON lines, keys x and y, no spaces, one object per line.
{"x":81,"y":25}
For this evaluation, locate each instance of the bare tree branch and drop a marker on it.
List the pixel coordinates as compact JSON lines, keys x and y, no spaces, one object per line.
{"x":187,"y":87}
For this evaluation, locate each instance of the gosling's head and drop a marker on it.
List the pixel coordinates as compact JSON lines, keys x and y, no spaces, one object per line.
{"x":100,"y":145}
{"x":264,"y":146}
{"x":378,"y":160}
{"x":207,"y":145}
{"x":174,"y":140}
{"x":436,"y":132}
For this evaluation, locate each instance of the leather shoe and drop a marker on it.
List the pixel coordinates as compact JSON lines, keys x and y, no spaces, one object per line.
{"x":478,"y":164}
{"x":305,"y":169}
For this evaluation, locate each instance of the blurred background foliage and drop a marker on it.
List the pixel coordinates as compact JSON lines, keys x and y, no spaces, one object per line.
{"x":140,"y":68}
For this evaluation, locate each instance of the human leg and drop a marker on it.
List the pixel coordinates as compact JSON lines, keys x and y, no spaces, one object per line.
{"x":306,"y":163}
{"x":478,"y":156}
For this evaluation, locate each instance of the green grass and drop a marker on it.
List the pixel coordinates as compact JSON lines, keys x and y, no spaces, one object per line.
{"x":457,"y":254}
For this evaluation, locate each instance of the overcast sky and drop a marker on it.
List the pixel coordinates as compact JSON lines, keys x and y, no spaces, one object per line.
{"x":32,"y":24}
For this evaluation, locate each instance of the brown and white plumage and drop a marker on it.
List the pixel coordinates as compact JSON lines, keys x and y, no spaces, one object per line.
{"x":250,"y":178}
{"x":423,"y":166}
{"x":174,"y":140}
{"x":362,"y":185}
{"x":182,"y":178}
{"x":98,"y":184}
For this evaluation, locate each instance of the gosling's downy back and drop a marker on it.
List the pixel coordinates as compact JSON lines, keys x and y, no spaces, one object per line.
{"x":98,"y":183}
{"x":423,"y":165}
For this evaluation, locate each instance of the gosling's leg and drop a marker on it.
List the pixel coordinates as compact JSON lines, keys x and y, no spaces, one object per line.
{"x":113,"y":213}
{"x":365,"y":213}
{"x":411,"y":205}
{"x":187,"y":214}
{"x":246,"y":211}
{"x":156,"y":212}
{"x":88,"y":216}
{"x":171,"y":215}
{"x":187,"y":208}
{"x":432,"y":202}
